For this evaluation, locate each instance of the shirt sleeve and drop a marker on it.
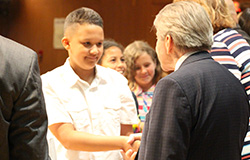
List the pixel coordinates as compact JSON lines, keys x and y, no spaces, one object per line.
{"x":240,"y":50}
{"x":167,"y":128}
{"x":55,"y":109}
{"x":128,"y":104}
{"x":234,"y":53}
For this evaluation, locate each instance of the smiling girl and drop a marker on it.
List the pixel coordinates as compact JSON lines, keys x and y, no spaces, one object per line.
{"x":143,"y":72}
{"x":112,"y":56}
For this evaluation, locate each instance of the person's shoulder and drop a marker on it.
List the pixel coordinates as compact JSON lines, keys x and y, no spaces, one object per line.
{"x":228,"y":35}
{"x":107,"y":73}
{"x":17,"y":57}
{"x":243,"y":34}
{"x":15,"y":49}
{"x":53,"y":79}
{"x":173,"y":77}
{"x":18,"y":63}
{"x":221,"y":37}
{"x":102,"y":69}
{"x":173,"y":81}
{"x":56,"y":72}
{"x":218,"y":44}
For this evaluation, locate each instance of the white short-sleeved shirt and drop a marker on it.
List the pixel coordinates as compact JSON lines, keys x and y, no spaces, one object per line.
{"x":98,"y":108}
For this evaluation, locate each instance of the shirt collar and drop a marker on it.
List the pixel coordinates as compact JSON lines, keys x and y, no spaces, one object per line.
{"x":72,"y":78}
{"x":69,"y":75}
{"x":139,"y":90}
{"x":182,"y":59}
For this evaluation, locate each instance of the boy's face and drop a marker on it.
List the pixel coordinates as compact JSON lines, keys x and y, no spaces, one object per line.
{"x":84,"y":44}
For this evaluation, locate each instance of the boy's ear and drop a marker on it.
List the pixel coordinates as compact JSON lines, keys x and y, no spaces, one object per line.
{"x":65,"y":43}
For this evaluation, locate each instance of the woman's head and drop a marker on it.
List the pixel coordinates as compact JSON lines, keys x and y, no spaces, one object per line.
{"x":221,"y":16}
{"x":143,"y":67}
{"x":218,"y":12}
{"x":112,"y":56}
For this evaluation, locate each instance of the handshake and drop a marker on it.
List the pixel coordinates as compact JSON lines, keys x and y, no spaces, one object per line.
{"x":131,"y":147}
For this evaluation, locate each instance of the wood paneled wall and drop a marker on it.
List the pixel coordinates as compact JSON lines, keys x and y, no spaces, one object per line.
{"x":30,"y":22}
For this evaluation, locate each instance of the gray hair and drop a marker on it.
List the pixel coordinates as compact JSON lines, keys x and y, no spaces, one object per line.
{"x":83,"y":15}
{"x":187,"y":23}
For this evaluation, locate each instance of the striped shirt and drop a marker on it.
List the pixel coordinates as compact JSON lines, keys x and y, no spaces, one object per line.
{"x":232,"y":50}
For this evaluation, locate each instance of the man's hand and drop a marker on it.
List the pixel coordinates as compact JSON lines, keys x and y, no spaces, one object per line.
{"x":129,"y":155}
{"x":134,"y":137}
{"x":134,"y":140}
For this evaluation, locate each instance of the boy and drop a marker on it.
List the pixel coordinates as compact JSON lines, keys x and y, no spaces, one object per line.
{"x":88,"y":106}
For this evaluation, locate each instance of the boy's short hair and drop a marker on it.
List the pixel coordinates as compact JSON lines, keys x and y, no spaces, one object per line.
{"x":83,"y":15}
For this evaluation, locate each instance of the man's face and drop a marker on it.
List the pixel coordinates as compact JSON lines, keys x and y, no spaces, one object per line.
{"x":162,"y":50}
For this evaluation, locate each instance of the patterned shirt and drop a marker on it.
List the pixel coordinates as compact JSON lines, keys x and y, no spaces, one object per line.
{"x":231,"y":50}
{"x":144,"y":100}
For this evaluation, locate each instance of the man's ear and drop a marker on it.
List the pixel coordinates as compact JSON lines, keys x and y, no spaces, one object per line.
{"x":168,"y":42}
{"x":65,"y":43}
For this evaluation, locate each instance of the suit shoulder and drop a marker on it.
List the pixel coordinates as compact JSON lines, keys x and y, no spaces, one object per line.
{"x":18,"y":54}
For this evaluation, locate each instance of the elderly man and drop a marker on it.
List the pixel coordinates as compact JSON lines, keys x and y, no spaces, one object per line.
{"x":200,"y":110}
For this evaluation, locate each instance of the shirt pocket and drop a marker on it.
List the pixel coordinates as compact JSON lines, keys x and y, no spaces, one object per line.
{"x":110,"y":119}
{"x":80,"y":118}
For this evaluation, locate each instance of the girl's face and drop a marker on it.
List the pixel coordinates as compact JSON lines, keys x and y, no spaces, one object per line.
{"x":113,"y":58}
{"x":144,"y":71}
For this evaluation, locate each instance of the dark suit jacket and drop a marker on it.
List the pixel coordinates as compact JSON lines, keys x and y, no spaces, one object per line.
{"x":23,"y":119}
{"x":199,"y":112}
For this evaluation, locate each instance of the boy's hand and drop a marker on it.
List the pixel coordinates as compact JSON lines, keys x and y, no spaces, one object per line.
{"x":134,"y":137}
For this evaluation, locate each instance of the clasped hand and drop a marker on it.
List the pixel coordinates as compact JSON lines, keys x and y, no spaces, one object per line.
{"x":134,"y":140}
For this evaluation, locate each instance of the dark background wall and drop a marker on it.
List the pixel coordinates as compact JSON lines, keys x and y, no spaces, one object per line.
{"x":30,"y":22}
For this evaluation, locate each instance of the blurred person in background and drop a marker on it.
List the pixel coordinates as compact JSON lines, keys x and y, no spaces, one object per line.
{"x":113,"y":58}
{"x":244,"y":20}
{"x":143,"y":72}
{"x":238,"y":28}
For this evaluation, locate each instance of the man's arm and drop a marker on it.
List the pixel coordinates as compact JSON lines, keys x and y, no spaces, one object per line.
{"x":28,"y":128}
{"x":167,"y":128}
